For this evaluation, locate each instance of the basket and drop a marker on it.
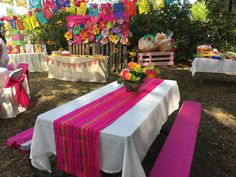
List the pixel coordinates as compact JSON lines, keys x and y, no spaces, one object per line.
{"x":165,"y":46}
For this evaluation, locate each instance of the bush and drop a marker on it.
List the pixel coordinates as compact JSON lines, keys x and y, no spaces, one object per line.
{"x":217,"y":30}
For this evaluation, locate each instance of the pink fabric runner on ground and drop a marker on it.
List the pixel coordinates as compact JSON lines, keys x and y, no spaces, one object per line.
{"x":77,"y":134}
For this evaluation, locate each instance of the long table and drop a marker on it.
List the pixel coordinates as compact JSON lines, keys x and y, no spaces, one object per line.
{"x":87,"y":68}
{"x":226,"y":66}
{"x":125,"y":142}
{"x":36,"y":61}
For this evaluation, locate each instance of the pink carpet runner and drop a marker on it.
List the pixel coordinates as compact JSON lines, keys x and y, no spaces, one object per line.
{"x":77,"y":134}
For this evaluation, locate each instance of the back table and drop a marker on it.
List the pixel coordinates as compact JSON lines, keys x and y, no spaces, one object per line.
{"x":125,"y":142}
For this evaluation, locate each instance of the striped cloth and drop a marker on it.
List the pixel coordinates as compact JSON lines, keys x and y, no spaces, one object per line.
{"x":77,"y":134}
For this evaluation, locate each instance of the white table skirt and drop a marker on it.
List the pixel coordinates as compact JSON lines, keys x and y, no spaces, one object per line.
{"x":36,"y":61}
{"x":83,"y":68}
{"x":226,"y":66}
{"x":3,"y":77}
{"x":125,"y":142}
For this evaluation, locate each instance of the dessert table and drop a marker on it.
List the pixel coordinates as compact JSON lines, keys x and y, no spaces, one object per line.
{"x":124,"y":143}
{"x":36,"y":61}
{"x":227,"y":66}
{"x":87,"y":68}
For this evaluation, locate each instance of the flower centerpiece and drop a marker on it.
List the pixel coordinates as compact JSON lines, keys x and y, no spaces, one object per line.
{"x":132,"y":76}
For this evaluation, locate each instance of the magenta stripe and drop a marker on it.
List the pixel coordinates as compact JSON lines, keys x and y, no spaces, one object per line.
{"x":90,"y":120}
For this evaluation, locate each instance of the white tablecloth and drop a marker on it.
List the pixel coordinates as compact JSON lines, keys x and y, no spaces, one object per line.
{"x":226,"y":66}
{"x":36,"y":61}
{"x":125,"y":142}
{"x":3,"y":77}
{"x":82,"y":68}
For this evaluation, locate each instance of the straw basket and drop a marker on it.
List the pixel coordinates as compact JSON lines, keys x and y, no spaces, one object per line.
{"x":165,"y":46}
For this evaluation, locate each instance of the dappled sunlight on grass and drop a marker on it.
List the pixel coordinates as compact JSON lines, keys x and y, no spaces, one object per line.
{"x":222,"y":116}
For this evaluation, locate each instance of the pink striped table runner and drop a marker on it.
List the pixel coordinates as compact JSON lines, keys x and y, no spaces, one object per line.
{"x":77,"y":133}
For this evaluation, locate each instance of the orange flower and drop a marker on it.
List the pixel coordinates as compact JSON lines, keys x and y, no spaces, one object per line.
{"x":128,"y":76}
{"x":132,"y":65}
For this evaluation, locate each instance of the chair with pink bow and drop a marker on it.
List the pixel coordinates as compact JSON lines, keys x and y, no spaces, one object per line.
{"x":15,"y":96}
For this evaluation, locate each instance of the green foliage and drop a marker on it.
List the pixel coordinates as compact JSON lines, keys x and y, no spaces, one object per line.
{"x":218,"y":28}
{"x":52,"y":33}
{"x":188,"y":34}
{"x":199,"y":11}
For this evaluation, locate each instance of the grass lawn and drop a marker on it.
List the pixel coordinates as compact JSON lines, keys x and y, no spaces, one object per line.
{"x":215,"y":150}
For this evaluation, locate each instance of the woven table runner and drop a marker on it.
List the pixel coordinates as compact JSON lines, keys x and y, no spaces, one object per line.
{"x":77,"y":133}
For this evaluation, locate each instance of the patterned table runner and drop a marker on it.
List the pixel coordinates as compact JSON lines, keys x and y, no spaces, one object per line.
{"x":77,"y":134}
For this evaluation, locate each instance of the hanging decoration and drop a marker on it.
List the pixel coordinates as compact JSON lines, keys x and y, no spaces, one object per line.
{"x":130,"y":8}
{"x":21,"y":3}
{"x":50,"y":4}
{"x":81,"y":10}
{"x":169,"y":1}
{"x":71,"y":9}
{"x":33,"y":21}
{"x":27,"y":23}
{"x":106,"y":10}
{"x":119,"y":10}
{"x":62,"y":3}
{"x":11,"y":2}
{"x":156,"y":4}
{"x":143,"y":6}
{"x":20,"y":24}
{"x":13,"y":23}
{"x":41,"y":18}
{"x":35,"y":4}
{"x":48,"y":13}
{"x":93,"y":10}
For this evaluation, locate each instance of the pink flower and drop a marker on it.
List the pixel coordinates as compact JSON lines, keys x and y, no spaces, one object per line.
{"x":78,"y":40}
{"x":124,"y":72}
{"x":104,"y":41}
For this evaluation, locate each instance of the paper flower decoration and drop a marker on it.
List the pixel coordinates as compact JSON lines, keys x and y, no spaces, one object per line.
{"x":124,"y":41}
{"x":70,"y":42}
{"x":96,"y":31}
{"x":120,"y":21}
{"x":102,"y":24}
{"x":91,"y":37}
{"x":114,"y":38}
{"x":104,"y":41}
{"x":83,"y":34}
{"x":76,"y":30}
{"x":98,"y":37}
{"x":78,"y":40}
{"x":116,"y":30}
{"x":124,"y":33}
{"x":68,"y":36}
{"x":82,"y":26}
{"x":149,"y":37}
{"x":105,"y":32}
{"x":109,"y":25}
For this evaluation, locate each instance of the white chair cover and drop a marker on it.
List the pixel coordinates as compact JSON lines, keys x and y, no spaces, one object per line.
{"x":9,"y":105}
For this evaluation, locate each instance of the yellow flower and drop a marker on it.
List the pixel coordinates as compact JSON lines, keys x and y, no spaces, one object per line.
{"x":61,"y":49}
{"x":50,"y":43}
{"x":116,"y":50}
{"x":59,"y":22}
{"x":68,"y":36}
{"x":132,"y":54}
{"x":96,"y":31}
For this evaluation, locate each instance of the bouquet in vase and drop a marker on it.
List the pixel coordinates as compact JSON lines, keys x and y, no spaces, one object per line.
{"x":132,"y":76}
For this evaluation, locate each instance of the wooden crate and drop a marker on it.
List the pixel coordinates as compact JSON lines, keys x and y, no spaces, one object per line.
{"x":156,"y":58}
{"x":117,"y":60}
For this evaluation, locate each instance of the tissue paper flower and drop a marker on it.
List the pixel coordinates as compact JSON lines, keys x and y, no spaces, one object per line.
{"x":68,"y":36}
